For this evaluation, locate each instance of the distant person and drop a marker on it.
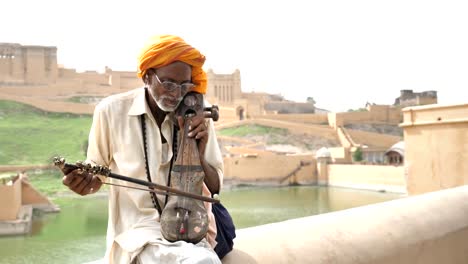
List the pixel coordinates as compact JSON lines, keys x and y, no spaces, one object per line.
{"x":169,"y":68}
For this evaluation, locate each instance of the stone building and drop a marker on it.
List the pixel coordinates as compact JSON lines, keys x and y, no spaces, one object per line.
{"x":27,"y":65}
{"x":225,"y":88}
{"x":37,"y":66}
{"x":410,"y":98}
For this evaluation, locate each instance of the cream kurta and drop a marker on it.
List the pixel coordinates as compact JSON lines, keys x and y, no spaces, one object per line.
{"x":116,"y":141}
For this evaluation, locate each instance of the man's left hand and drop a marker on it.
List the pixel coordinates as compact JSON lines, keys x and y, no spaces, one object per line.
{"x":198,"y":129}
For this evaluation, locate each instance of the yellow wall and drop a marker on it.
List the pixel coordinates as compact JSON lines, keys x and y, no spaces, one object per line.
{"x":436,"y":147}
{"x":227,"y":114}
{"x":372,"y":139}
{"x":344,"y":138}
{"x":29,"y":195}
{"x":258,"y":167}
{"x":374,"y":177}
{"x":340,"y":155}
{"x":424,"y":229}
{"x":375,"y":114}
{"x":320,"y":119}
{"x":10,"y":200}
{"x":52,"y":106}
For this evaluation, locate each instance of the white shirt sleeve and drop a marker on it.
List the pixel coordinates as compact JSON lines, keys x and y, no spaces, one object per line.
{"x":99,"y":140}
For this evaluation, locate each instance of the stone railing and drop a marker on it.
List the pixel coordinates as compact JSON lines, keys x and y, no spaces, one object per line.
{"x":428,"y":229}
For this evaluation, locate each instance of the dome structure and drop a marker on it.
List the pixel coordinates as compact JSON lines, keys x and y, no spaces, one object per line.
{"x":398,"y":148}
{"x":396,"y":153}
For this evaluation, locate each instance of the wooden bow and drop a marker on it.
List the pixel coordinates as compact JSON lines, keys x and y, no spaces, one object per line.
{"x":105,"y":171}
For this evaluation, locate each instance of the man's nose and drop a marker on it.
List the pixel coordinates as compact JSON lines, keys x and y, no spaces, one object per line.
{"x":177,"y":92}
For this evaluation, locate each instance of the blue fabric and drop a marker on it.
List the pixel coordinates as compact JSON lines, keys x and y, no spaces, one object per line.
{"x":226,"y":231}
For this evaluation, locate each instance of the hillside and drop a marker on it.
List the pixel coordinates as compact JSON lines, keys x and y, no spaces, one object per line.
{"x":272,"y":138}
{"x":386,"y":129}
{"x":29,"y":135}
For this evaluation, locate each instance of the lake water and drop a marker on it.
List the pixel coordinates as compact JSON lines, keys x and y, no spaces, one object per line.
{"x":77,"y":233}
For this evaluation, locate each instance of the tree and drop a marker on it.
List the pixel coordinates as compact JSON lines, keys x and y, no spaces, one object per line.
{"x":357,"y":155}
{"x":310,"y":100}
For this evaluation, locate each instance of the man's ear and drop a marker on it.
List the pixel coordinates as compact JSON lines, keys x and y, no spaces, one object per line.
{"x":147,"y":77}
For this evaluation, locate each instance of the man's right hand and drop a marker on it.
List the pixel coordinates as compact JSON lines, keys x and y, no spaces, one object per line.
{"x":82,"y":183}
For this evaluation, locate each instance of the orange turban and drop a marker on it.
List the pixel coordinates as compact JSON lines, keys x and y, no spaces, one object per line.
{"x":165,"y":49}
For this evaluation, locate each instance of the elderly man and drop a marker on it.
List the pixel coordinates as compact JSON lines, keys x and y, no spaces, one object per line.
{"x":122,"y":124}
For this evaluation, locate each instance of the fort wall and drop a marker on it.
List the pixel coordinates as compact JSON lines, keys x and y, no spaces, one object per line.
{"x":317,"y":119}
{"x":375,"y":115}
{"x":436,"y":147}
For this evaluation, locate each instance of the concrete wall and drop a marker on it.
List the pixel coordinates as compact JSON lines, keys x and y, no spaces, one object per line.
{"x":52,"y":106}
{"x":420,"y":229}
{"x":345,"y":140}
{"x":31,"y":196}
{"x":375,"y":114}
{"x":20,"y":168}
{"x":436,"y":147}
{"x":319,"y":119}
{"x":10,"y":199}
{"x":371,"y":177}
{"x":287,"y":107}
{"x":372,"y":139}
{"x":340,"y":155}
{"x":254,"y":167}
{"x":227,"y":114}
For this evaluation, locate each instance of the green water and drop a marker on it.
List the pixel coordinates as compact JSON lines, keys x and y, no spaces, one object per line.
{"x":77,"y":233}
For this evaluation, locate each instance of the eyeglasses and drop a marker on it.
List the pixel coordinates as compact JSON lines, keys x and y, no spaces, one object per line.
{"x":171,"y":86}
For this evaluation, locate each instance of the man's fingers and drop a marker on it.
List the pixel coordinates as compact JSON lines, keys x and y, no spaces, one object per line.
{"x":199,"y":129}
{"x":180,"y":121}
{"x":76,"y":181}
{"x":82,"y":182}
{"x":201,"y":134}
{"x":67,"y":179}
{"x":95,"y":185}
{"x":84,"y":186}
{"x":71,"y":177}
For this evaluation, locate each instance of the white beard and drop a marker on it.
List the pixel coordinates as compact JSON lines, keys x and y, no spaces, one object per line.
{"x":160,"y":102}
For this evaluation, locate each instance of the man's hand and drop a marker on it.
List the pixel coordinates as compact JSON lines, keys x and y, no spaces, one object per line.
{"x":198,"y":129}
{"x":81,"y":182}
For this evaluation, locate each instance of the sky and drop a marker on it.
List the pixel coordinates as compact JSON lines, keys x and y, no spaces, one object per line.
{"x":343,"y":53}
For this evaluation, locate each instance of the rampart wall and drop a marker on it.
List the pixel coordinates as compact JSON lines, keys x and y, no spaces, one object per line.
{"x":376,"y":114}
{"x":52,"y":106}
{"x":318,"y":119}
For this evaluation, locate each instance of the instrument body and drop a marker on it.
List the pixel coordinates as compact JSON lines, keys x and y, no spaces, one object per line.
{"x":184,"y":218}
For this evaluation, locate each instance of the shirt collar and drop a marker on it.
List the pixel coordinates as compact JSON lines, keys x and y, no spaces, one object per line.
{"x":139,"y":105}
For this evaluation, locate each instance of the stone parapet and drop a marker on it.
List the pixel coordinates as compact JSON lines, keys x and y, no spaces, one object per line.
{"x":430,"y":228}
